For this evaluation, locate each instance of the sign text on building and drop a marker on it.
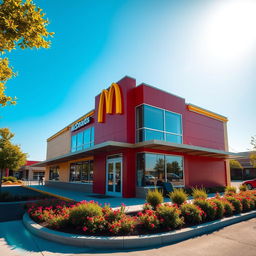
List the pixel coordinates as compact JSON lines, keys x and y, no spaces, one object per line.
{"x":84,"y":122}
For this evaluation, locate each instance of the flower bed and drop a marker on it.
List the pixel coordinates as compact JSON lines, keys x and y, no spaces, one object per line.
{"x":90,"y":218}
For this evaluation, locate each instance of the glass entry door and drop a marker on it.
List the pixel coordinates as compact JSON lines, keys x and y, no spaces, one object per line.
{"x":114,"y":177}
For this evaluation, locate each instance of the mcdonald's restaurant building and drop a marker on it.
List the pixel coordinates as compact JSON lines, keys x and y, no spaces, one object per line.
{"x":134,"y":139}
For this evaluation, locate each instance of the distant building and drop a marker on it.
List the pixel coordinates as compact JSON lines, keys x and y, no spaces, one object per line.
{"x":28,"y":172}
{"x":248,"y":171}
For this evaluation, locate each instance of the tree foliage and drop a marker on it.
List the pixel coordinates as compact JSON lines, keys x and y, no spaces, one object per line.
{"x":11,"y":156}
{"x":253,"y":154}
{"x":234,"y":164}
{"x":22,"y":25}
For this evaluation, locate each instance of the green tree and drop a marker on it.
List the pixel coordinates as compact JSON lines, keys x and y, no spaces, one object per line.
{"x":11,"y":156}
{"x":253,"y":154}
{"x":234,"y":164}
{"x":22,"y":25}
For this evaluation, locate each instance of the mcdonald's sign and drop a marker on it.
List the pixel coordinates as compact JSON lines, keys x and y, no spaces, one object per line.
{"x":107,"y":98}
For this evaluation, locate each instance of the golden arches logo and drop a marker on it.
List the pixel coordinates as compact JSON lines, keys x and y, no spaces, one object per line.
{"x":106,"y":98}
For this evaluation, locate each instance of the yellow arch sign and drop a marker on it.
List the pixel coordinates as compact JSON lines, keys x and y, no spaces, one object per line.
{"x":106,"y":98}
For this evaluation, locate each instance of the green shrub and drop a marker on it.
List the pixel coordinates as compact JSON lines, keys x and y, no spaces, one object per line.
{"x":9,"y":178}
{"x":178,"y":196}
{"x":80,"y":212}
{"x":236,"y":203}
{"x":191,"y":213}
{"x":147,"y":206}
{"x":228,"y":208}
{"x":208,"y":207}
{"x":154,"y":198}
{"x":169,"y":216}
{"x":148,"y":220}
{"x":199,"y":193}
{"x":230,"y":190}
{"x":247,"y":203}
{"x":242,"y":187}
{"x":124,"y":226}
{"x":220,"y":208}
{"x":113,"y":215}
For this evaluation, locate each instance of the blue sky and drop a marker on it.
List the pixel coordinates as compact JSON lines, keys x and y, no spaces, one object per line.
{"x":201,"y":50}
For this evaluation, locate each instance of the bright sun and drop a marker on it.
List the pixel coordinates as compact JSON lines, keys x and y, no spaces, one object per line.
{"x":229,"y":30}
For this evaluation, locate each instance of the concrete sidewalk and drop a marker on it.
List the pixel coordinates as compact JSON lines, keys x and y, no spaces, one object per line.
{"x":234,"y":240}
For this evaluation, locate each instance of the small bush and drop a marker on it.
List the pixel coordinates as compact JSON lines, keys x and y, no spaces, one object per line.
{"x":220,"y":208}
{"x":113,"y":215}
{"x":124,"y":226}
{"x":199,"y":193}
{"x":80,"y":212}
{"x":236,"y":203}
{"x":178,"y":196}
{"x":9,"y":178}
{"x":147,"y":206}
{"x":169,"y":216}
{"x":148,"y":220}
{"x":230,"y":190}
{"x":242,"y":187}
{"x":191,"y":213}
{"x":228,"y":208}
{"x":154,"y":198}
{"x":208,"y":207}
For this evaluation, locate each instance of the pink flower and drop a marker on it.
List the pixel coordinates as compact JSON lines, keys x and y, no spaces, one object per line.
{"x":85,"y":228}
{"x":152,"y":225}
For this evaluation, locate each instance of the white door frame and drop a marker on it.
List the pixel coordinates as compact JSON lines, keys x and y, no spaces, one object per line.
{"x":114,"y":161}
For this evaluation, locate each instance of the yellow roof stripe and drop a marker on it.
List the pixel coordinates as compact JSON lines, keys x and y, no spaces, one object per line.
{"x":206,"y":113}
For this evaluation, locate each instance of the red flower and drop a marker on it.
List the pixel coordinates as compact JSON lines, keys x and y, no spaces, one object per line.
{"x":152,"y":225}
{"x":85,"y":228}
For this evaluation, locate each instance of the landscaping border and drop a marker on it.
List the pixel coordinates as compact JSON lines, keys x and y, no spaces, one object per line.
{"x":126,"y":242}
{"x":48,"y":193}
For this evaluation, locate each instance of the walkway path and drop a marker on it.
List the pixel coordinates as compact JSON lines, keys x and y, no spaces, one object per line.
{"x":235,"y":240}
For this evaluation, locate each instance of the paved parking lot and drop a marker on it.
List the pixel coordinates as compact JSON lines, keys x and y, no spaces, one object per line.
{"x":238,"y":239}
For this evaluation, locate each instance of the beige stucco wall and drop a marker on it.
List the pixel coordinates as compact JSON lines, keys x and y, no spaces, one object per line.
{"x":59,"y":145}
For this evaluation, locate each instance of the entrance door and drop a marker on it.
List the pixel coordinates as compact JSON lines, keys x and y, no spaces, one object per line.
{"x":114,"y":177}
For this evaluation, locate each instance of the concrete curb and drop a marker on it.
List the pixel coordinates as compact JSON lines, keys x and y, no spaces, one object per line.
{"x":127,"y":242}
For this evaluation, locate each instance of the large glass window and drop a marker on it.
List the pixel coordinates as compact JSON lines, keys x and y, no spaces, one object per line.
{"x":82,"y":140}
{"x":81,"y":172}
{"x":157,"y":124}
{"x":154,"y":169}
{"x":54,"y":173}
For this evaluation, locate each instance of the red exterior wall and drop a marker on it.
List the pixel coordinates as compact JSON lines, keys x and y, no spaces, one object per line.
{"x":198,"y":130}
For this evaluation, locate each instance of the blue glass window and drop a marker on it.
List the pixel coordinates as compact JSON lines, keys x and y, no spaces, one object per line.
{"x":172,"y":122}
{"x":153,"y":118}
{"x":154,"y":169}
{"x":82,"y":140}
{"x":157,"y":124}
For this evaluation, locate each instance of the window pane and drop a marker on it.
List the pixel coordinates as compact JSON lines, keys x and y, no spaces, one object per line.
{"x":140,"y":170}
{"x":87,"y":138}
{"x":92,"y":136}
{"x":139,"y":117}
{"x":153,"y":118}
{"x":173,"y":122}
{"x":174,"y":169}
{"x":54,"y":173}
{"x":173,"y":138}
{"x":73,"y":143}
{"x":153,"y":135}
{"x":79,"y":144}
